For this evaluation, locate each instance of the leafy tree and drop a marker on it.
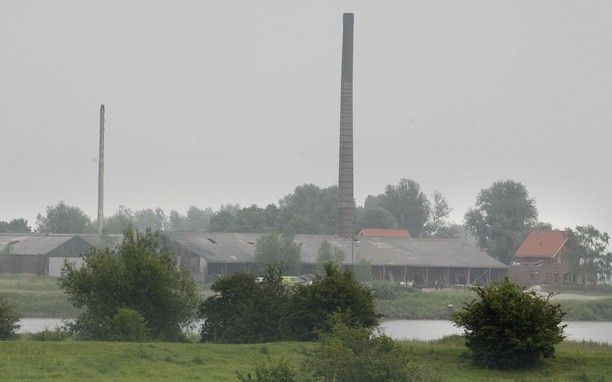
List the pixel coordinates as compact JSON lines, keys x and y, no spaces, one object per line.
{"x":9,"y":320}
{"x":283,"y":249}
{"x":15,"y":226}
{"x":587,"y":255}
{"x":329,"y":253}
{"x":121,"y":221}
{"x":149,"y":219}
{"x":63,"y":218}
{"x":408,"y":204}
{"x":508,"y":327}
{"x":503,"y":216}
{"x":251,"y":219}
{"x":198,"y":219}
{"x":177,"y":222}
{"x":138,"y":275}
{"x":309,"y":209}
{"x":243,"y":310}
{"x":439,"y":224}
{"x":375,"y":217}
{"x":311,"y":306}
{"x":223,"y":221}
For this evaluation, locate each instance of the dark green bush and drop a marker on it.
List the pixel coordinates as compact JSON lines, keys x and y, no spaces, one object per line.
{"x":508,"y":327}
{"x":139,"y":276}
{"x":243,"y":310}
{"x":129,"y":325}
{"x":310,"y":306}
{"x":9,"y":320}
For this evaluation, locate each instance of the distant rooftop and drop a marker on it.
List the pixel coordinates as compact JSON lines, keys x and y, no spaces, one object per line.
{"x":384,"y":232}
{"x":219,"y":247}
{"x":542,"y":244}
{"x":32,"y":244}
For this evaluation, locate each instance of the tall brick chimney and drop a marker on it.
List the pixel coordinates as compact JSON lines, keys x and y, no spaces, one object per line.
{"x":346,"y":201}
{"x":101,"y":174}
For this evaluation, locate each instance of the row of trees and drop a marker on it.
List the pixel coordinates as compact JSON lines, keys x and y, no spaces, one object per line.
{"x":500,"y":220}
{"x":309,"y":209}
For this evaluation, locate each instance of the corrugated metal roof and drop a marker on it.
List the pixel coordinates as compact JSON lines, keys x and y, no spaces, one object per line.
{"x":31,"y":244}
{"x":217,"y":247}
{"x":27,"y":244}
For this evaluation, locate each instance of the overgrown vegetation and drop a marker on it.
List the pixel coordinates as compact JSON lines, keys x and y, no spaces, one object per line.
{"x":9,"y":320}
{"x":338,"y":291}
{"x":244,"y":310}
{"x":510,"y":328}
{"x":346,"y":354}
{"x":138,"y":276}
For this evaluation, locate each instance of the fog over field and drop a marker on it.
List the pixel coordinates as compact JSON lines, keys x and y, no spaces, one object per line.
{"x":238,"y":102}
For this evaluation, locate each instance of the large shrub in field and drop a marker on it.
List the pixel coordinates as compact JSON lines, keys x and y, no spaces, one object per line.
{"x":244,"y":310}
{"x":346,"y":354}
{"x":310,"y":306}
{"x":136,"y":284}
{"x":508,"y":327}
{"x":9,"y":320}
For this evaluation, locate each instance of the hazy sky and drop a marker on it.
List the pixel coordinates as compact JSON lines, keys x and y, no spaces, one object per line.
{"x":238,"y":101}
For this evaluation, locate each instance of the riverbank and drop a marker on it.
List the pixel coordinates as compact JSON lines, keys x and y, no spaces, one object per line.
{"x":41,"y":297}
{"x":440,"y":304}
{"x":72,"y":360}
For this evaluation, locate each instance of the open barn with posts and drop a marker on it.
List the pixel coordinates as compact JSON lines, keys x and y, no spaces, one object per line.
{"x":426,"y":262}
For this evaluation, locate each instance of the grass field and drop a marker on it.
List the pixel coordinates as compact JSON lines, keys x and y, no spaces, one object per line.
{"x":96,"y":361}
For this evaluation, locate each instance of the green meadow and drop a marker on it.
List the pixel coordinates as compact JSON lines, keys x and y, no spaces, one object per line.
{"x":28,"y":360}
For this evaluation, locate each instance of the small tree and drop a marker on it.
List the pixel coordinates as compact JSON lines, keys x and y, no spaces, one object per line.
{"x":329,"y":253}
{"x":587,"y":253}
{"x":363,"y":269}
{"x":279,"y":249}
{"x":508,"y":327}
{"x":9,"y":320}
{"x":138,"y":275}
{"x":310,"y":306}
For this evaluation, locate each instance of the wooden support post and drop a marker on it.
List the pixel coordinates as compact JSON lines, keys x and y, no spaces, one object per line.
{"x":468,"y":277}
{"x":426,"y":277}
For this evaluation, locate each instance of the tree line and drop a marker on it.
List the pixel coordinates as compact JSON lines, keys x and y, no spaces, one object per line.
{"x":308,"y":209}
{"x":502,"y":217}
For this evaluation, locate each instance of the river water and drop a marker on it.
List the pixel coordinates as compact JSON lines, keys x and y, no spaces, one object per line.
{"x":598,"y":331}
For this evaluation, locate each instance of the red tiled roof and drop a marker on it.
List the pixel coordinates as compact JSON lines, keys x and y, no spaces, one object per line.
{"x":384,"y":232}
{"x":542,"y":244}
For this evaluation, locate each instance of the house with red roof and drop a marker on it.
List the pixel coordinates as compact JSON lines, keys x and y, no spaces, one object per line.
{"x":540,"y":259}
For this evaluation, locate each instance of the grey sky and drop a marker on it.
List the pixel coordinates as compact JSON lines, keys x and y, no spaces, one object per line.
{"x":217,"y":102}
